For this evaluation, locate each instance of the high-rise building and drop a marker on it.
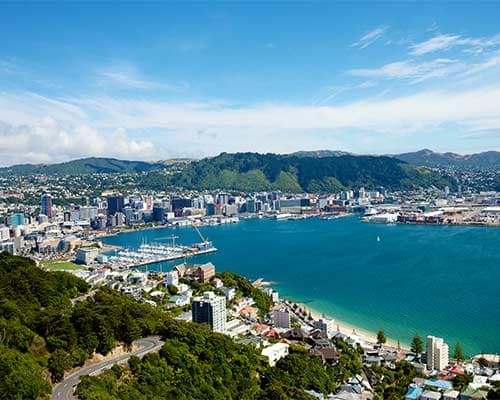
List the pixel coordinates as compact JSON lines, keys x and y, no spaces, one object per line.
{"x":437,"y":353}
{"x":46,"y":205}
{"x":116,"y":204}
{"x":16,"y":219}
{"x":211,"y":310}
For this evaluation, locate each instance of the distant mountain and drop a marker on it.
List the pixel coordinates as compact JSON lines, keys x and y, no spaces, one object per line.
{"x":83,"y":166}
{"x":257,"y":172}
{"x":321,"y":153}
{"x":426,"y":157}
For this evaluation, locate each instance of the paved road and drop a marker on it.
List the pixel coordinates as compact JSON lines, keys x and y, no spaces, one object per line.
{"x":64,"y":390}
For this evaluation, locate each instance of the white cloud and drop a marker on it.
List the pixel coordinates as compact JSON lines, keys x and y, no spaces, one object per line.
{"x":48,"y":141}
{"x":103,"y":126}
{"x":446,"y":42}
{"x":370,"y":37}
{"x":415,"y":71}
{"x":440,"y":42}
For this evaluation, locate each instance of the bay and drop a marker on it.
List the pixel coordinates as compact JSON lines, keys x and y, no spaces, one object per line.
{"x":434,"y":280}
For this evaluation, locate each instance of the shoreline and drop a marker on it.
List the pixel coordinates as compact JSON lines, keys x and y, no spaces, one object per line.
{"x":348,"y":329}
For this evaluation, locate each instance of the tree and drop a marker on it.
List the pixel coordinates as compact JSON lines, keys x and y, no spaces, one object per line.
{"x":381,"y":339}
{"x":172,"y":289}
{"x":459,"y":355}
{"x":417,"y":345}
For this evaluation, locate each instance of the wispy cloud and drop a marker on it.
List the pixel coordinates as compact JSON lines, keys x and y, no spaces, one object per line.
{"x":126,"y":75}
{"x":370,"y":37}
{"x":446,"y":41}
{"x":410,"y":70}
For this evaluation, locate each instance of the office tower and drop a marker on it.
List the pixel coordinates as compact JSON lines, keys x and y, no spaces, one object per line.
{"x":46,"y":205}
{"x":115,"y":204}
{"x":211,"y":310}
{"x":437,"y":353}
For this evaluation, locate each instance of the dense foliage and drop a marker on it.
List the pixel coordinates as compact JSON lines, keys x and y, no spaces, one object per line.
{"x":92,"y":165}
{"x":197,"y":364}
{"x":255,"y":172}
{"x":41,"y":333}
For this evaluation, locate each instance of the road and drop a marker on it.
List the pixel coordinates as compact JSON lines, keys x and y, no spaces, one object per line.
{"x":64,"y":390}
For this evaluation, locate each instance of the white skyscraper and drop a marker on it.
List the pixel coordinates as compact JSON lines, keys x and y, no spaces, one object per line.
{"x":211,"y":310}
{"x":437,"y":353}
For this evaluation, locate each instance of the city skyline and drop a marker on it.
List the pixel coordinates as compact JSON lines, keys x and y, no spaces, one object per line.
{"x":162,"y":81}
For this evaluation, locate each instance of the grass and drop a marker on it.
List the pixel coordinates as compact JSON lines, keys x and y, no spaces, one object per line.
{"x":61,"y":265}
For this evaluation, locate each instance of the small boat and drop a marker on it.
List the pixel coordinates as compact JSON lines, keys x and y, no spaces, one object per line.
{"x":378,"y":238}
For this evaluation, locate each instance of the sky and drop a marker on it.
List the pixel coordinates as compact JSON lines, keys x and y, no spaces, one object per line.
{"x":151,"y":81}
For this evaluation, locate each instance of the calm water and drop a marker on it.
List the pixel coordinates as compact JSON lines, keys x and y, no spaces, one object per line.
{"x":443,"y":281}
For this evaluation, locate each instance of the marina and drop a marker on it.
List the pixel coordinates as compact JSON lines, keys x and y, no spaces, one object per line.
{"x":157,"y":253}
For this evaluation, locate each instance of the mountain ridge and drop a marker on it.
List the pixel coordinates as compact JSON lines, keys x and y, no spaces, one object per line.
{"x":425,"y":157}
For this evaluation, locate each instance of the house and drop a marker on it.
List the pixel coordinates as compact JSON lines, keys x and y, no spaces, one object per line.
{"x":295,"y":334}
{"x":328,"y":355}
{"x":229,"y":292}
{"x":217,"y":283}
{"x":413,"y":393}
{"x":345,"y":396}
{"x":471,"y":393}
{"x":182,"y":299}
{"x":451,"y":395}
{"x":430,"y":395}
{"x":180,"y":269}
{"x":250,"y":312}
{"x":240,"y":304}
{"x":275,"y":352}
{"x":438,"y":384}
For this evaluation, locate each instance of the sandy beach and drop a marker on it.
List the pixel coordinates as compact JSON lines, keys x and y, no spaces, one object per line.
{"x":348,"y":329}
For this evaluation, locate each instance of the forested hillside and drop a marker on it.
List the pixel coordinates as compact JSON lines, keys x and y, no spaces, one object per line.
{"x":255,"y":172}
{"x":83,"y":166}
{"x":42,"y":334}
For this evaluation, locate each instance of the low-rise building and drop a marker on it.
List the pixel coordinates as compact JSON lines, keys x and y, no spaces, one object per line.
{"x":281,"y":318}
{"x":86,"y":255}
{"x":451,"y":395}
{"x":430,"y":395}
{"x":275,"y":352}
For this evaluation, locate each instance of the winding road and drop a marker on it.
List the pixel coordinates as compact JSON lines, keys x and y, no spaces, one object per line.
{"x":64,"y":390}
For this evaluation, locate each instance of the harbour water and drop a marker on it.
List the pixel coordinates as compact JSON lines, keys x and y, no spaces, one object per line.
{"x":439,"y":280}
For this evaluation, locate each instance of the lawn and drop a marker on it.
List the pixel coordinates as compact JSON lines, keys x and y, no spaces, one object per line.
{"x":61,"y":265}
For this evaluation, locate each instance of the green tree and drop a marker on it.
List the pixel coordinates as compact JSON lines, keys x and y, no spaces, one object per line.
{"x":172,"y":289}
{"x":381,"y":339}
{"x":417,"y":345}
{"x":459,"y":355}
{"x":59,"y":362}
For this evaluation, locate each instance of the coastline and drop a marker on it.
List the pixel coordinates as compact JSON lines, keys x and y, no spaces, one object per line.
{"x":349,"y":329}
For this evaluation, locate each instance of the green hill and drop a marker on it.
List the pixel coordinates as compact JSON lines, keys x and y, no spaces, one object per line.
{"x":426,"y":157}
{"x":83,"y":166}
{"x":256,"y":172}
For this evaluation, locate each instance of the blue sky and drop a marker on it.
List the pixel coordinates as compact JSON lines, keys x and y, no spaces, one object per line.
{"x":153,"y":81}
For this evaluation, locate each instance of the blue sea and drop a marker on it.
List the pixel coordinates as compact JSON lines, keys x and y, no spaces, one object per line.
{"x":434,"y":280}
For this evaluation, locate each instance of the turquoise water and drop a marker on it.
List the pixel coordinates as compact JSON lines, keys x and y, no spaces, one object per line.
{"x":443,"y":281}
